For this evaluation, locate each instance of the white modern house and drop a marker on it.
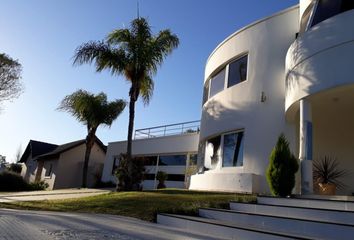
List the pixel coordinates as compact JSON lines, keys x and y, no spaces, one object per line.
{"x":291,"y":73}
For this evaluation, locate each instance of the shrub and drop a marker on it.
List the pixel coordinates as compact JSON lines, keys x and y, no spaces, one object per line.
{"x":123,"y":176}
{"x":11,"y":182}
{"x":282,"y":168}
{"x":15,"y":167}
{"x":36,"y":186}
{"x":161,"y":177}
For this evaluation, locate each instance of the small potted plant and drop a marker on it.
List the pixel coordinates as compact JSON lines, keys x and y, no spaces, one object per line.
{"x":326,"y":175}
{"x":161,"y":177}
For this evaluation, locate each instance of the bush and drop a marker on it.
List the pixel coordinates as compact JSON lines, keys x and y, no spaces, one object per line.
{"x":282,"y":168}
{"x":161,"y":177}
{"x":12,"y":182}
{"x":123,"y":176}
{"x":42,"y":185}
{"x":15,"y":167}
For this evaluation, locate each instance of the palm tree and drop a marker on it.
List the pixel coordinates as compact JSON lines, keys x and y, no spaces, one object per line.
{"x":93,"y":111}
{"x":135,"y":53}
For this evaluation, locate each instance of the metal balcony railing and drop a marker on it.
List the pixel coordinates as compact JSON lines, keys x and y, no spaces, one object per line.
{"x":168,"y":130}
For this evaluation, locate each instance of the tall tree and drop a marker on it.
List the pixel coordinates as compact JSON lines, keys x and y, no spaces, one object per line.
{"x":93,"y":111}
{"x":10,"y":74}
{"x":135,"y":53}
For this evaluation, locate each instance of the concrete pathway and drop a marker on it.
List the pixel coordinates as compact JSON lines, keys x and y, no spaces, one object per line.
{"x":50,"y":195}
{"x":38,"y":225}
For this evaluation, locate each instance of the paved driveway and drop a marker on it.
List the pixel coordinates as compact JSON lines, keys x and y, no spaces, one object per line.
{"x":38,"y":225}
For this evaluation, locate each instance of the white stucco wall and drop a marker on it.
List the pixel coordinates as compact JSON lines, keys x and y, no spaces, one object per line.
{"x":176,"y":144}
{"x":320,"y":59}
{"x":240,"y":106}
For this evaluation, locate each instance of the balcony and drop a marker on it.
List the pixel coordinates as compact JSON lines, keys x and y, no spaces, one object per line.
{"x":168,"y":130}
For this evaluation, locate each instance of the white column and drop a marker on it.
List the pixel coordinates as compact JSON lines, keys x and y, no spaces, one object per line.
{"x":305,"y":152}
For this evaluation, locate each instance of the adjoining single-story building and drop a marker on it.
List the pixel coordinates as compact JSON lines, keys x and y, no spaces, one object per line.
{"x":61,"y":165}
{"x":172,"y":149}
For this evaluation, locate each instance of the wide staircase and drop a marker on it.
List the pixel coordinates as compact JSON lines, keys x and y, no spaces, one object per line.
{"x":272,"y":218}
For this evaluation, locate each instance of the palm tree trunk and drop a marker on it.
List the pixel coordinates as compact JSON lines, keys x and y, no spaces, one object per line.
{"x":90,"y":140}
{"x":130,"y":139}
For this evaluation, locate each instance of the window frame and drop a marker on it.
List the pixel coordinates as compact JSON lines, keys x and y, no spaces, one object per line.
{"x":49,"y":175}
{"x":222,"y":149}
{"x":225,"y":67}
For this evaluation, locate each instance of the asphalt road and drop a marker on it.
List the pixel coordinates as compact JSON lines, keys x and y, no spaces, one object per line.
{"x":40,"y":225}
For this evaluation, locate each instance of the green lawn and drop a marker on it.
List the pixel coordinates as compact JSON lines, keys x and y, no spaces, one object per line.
{"x":143,"y":205}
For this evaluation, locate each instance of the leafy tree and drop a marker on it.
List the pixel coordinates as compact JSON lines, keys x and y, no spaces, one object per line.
{"x":282,"y":168}
{"x":93,"y":111}
{"x":10,"y":74}
{"x":136,"y":54}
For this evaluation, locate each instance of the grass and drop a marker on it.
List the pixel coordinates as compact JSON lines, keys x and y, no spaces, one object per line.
{"x":143,"y":205}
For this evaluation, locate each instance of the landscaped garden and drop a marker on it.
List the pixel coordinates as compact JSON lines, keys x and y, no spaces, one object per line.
{"x":143,"y":205}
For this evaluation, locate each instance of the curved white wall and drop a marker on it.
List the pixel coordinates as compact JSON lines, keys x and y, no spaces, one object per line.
{"x":320,"y":59}
{"x":239,"y":107}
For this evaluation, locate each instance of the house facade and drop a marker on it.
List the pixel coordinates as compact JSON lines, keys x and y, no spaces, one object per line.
{"x":61,"y":165}
{"x":289,"y":73}
{"x":171,"y":149}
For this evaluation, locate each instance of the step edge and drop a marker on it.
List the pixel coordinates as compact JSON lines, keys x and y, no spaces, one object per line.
{"x":223,"y":224}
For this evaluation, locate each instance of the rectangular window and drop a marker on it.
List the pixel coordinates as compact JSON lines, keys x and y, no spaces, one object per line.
{"x":48,"y":171}
{"x":206,"y":91}
{"x":212,"y":152}
{"x":237,"y":71}
{"x":148,"y":160}
{"x":175,"y":177}
{"x":217,"y":83}
{"x":172,"y":160}
{"x":233,"y":150}
{"x":149,"y":176}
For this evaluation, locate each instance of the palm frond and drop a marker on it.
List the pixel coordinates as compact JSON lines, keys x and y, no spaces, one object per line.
{"x":147,"y":89}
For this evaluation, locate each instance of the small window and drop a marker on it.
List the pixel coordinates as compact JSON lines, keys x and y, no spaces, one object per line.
{"x":217,"y":83}
{"x":233,"y":150}
{"x":212,"y":152}
{"x":172,"y":160}
{"x":48,"y":171}
{"x":206,"y":91}
{"x":115,"y":164}
{"x":237,"y":71}
{"x":149,"y":176}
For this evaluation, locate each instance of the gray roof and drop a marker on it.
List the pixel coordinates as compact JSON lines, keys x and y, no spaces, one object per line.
{"x":36,"y":148}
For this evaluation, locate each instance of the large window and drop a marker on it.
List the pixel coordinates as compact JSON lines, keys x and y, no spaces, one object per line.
{"x":324,"y":9}
{"x":212,"y":152}
{"x":237,"y":71}
{"x":233,"y":150}
{"x":148,"y":160}
{"x":172,"y":160}
{"x":217,"y":83}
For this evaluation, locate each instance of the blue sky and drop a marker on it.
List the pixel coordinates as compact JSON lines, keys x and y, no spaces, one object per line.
{"x":44,"y":34}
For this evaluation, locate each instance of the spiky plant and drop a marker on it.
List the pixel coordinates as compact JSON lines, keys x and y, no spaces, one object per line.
{"x":327,"y":170}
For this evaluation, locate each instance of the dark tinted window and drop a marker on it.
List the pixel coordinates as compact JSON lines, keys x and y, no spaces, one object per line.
{"x":175,"y":177}
{"x":149,"y":176}
{"x":172,"y":160}
{"x":193,"y":159}
{"x":329,"y":8}
{"x":48,"y":171}
{"x":217,"y":83}
{"x":237,"y":71}
{"x":233,"y":150}
{"x":148,"y":160}
{"x":206,"y":91}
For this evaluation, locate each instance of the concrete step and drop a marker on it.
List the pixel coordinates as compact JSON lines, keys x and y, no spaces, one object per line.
{"x":299,"y":227}
{"x":222,"y":229}
{"x":342,"y":205}
{"x":325,"y":215}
